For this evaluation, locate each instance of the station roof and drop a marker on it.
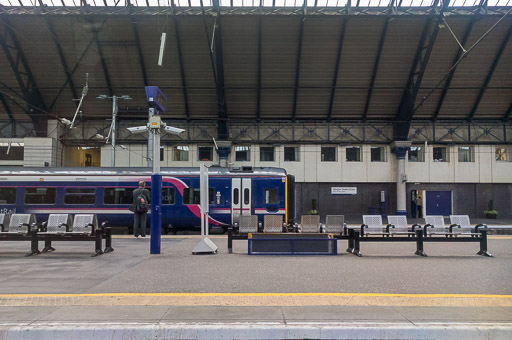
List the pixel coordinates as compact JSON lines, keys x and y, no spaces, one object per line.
{"x":245,"y":60}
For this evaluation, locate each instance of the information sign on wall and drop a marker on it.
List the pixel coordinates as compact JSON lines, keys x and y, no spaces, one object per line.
{"x":344,"y":190}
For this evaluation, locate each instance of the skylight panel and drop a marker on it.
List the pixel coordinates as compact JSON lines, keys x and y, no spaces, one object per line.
{"x":237,"y":3}
{"x":225,"y":3}
{"x":196,"y":3}
{"x":5,"y":3}
{"x":321,"y":3}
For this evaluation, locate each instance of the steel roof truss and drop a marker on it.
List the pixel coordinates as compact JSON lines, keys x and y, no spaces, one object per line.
{"x":337,"y":67}
{"x":375,"y":67}
{"x":406,"y":108}
{"x":26,"y":81}
{"x":490,"y":73}
{"x":102,"y":58}
{"x":182,"y":69}
{"x":137,"y":43}
{"x":508,"y":113}
{"x":260,"y":41}
{"x":452,"y":73}
{"x":297,"y":69}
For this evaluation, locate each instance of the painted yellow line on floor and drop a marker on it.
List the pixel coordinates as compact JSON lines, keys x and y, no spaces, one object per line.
{"x":256,"y":299}
{"x":261,"y":295}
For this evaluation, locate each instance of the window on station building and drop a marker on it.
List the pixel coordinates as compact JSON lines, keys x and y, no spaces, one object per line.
{"x":266,"y":154}
{"x":40,"y":195}
{"x":502,"y":154}
{"x":161,"y":154}
{"x":118,"y":195}
{"x":80,"y":196}
{"x":193,"y":196}
{"x":242,"y":153}
{"x":328,"y":154}
{"x":416,"y":154}
{"x":466,"y":154}
{"x":291,"y":154}
{"x":353,"y":154}
{"x":180,"y":153}
{"x":7,"y":195}
{"x":205,"y":153}
{"x":378,"y":154}
{"x":270,"y":196}
{"x":440,"y":154}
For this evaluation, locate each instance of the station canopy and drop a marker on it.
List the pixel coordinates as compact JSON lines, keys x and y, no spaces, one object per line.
{"x":322,"y":60}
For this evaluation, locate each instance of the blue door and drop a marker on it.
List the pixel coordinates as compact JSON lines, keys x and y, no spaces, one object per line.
{"x":439,"y":203}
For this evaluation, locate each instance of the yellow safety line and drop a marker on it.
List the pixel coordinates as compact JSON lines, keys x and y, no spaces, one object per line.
{"x":261,"y":295}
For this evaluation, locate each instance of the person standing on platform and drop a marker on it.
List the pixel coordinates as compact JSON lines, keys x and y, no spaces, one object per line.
{"x":139,"y":208}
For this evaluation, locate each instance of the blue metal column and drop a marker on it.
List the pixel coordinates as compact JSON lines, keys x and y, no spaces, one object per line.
{"x":156,"y":213}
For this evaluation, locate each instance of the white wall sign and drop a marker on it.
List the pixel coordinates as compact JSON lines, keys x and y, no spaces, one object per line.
{"x":344,"y":190}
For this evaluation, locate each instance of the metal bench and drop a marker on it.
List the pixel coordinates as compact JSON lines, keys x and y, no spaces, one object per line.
{"x":398,"y":226}
{"x":20,"y":227}
{"x":21,"y":224}
{"x":248,"y":224}
{"x":84,"y":227}
{"x":460,"y":225}
{"x":273,"y":224}
{"x":434,"y":225}
{"x":4,"y":222}
{"x":334,"y":224}
{"x":372,"y":225}
{"x":309,"y":224}
{"x":57,"y":224}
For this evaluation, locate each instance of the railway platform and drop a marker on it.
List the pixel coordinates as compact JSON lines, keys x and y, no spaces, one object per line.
{"x":130,"y":294}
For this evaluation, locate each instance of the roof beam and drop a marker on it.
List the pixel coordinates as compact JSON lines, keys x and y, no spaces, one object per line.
{"x":9,"y":114}
{"x":490,"y":74}
{"x":223,"y":130}
{"x":26,"y":81}
{"x":180,"y":61}
{"x":508,"y":113}
{"x":406,"y":108}
{"x":320,"y":11}
{"x":375,"y":67}
{"x":137,"y":43}
{"x":69,"y":78}
{"x":102,"y":58}
{"x":337,"y":67}
{"x":452,"y":73}
{"x":297,"y":68}
{"x":260,"y":41}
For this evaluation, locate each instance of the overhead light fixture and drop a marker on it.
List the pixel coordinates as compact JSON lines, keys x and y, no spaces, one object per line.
{"x":102,"y":96}
{"x":98,"y":136}
{"x":138,"y":129}
{"x":123,"y":147}
{"x":65,"y":121}
{"x":173,"y":130}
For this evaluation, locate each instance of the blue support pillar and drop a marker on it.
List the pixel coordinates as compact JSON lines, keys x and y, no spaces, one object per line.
{"x":156,"y":213}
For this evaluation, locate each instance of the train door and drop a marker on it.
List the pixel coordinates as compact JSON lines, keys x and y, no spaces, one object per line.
{"x":240,"y":198}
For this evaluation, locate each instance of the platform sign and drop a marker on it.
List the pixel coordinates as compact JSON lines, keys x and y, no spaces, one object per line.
{"x":344,"y":190}
{"x":156,"y":99}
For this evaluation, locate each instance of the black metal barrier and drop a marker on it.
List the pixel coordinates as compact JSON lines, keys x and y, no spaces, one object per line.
{"x":354,"y":239}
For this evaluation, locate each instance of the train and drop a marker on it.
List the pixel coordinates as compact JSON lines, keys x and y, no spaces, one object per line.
{"x":108,"y":193}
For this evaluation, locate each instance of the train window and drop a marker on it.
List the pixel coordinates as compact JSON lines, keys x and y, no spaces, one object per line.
{"x":40,"y":195}
{"x":193,"y":196}
{"x":80,"y":196}
{"x":246,"y":196}
{"x":270,"y":196}
{"x":118,"y":195}
{"x":7,"y":195}
{"x":236,"y":195}
{"x":168,"y":195}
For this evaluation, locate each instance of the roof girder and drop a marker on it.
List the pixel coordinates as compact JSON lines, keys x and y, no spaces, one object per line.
{"x":20,"y":67}
{"x":490,"y":73}
{"x":337,"y":67}
{"x":448,"y":82}
{"x":297,"y":69}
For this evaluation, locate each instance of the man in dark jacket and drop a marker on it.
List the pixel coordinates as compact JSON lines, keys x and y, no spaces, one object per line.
{"x":139,"y":215}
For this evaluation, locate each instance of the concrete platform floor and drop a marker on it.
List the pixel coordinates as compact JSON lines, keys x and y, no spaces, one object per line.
{"x":130,"y":294}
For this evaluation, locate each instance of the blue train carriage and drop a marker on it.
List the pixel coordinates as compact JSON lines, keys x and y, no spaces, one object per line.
{"x":107,"y":192}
